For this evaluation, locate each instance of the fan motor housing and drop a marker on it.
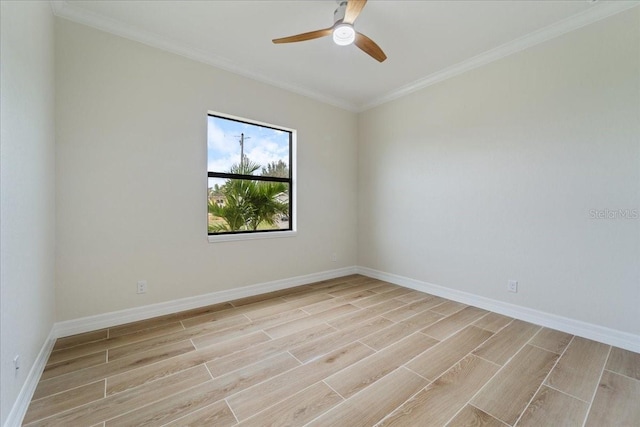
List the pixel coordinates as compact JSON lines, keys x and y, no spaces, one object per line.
{"x":338,"y":15}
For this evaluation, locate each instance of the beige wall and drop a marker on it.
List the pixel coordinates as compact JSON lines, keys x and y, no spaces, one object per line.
{"x":491,"y":176}
{"x":131,"y":177}
{"x":483,"y":178}
{"x":27,"y":309}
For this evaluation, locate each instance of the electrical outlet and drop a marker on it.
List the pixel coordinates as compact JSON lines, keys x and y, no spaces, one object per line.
{"x":142,"y":287}
{"x":512,"y":286}
{"x":334,"y":257}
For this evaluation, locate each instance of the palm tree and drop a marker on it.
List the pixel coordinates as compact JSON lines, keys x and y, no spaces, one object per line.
{"x":267,"y":206}
{"x":248,"y":204}
{"x":235,"y":212}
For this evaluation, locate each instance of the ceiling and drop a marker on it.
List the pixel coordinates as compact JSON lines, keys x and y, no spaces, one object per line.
{"x":425,"y":41}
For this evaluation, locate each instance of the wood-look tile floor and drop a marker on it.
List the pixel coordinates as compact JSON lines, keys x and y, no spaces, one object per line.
{"x":352,"y":351}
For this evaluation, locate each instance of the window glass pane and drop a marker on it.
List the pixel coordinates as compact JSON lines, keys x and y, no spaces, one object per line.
{"x":237,"y":205}
{"x":247,"y":149}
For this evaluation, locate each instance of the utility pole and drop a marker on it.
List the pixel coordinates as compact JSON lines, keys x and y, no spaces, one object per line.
{"x":242,"y":138}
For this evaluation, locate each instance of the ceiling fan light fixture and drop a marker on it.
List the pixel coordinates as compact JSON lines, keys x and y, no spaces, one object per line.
{"x":343,"y":34}
{"x":342,"y":31}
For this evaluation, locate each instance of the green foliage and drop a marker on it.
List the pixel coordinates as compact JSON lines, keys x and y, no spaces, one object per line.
{"x":248,"y":204}
{"x":279,"y":169}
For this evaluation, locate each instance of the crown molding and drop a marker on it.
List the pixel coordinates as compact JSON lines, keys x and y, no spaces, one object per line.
{"x":601,"y":10}
{"x":596,"y":13}
{"x":63,"y":9}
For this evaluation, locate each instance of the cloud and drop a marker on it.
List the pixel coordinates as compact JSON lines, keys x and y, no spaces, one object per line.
{"x":217,"y":140}
{"x":266,"y":151}
{"x":262,"y":145}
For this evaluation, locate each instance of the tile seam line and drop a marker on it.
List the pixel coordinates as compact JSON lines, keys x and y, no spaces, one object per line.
{"x":593,"y":396}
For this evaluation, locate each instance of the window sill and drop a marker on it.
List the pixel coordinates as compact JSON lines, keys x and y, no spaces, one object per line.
{"x":251,"y":236}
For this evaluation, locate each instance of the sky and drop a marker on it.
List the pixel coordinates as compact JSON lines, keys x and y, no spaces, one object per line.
{"x":261,"y":145}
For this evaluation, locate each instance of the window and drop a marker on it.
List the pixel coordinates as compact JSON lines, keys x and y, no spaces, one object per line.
{"x":250,"y":179}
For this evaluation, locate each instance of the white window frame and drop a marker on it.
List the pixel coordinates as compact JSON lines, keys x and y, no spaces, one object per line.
{"x":293,"y":167}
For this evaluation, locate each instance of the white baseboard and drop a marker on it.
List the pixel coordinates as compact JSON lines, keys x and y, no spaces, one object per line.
{"x":106,"y":320}
{"x":19,"y":409}
{"x":571,"y":326}
{"x":91,"y":323}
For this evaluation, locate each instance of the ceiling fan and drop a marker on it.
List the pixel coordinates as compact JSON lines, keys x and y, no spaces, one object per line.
{"x":342,"y":30}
